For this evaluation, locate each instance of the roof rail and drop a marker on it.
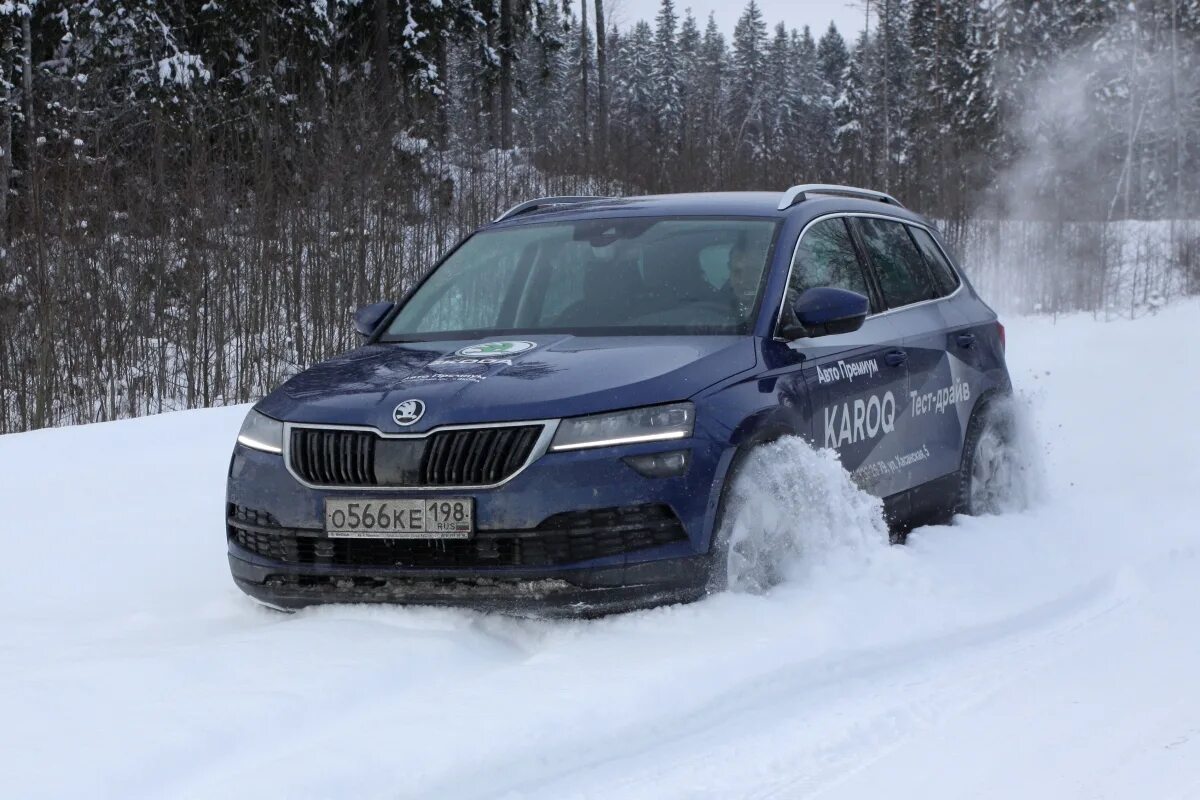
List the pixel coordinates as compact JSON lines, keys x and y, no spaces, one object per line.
{"x":544,"y":202}
{"x":797,"y":194}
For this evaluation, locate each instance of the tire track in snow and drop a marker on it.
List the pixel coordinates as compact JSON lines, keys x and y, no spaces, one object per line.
{"x":688,"y":739}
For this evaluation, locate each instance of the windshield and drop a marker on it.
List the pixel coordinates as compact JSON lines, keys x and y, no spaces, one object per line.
{"x":640,"y":275}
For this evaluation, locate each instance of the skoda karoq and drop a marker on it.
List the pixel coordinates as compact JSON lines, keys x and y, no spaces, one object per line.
{"x":549,"y":420}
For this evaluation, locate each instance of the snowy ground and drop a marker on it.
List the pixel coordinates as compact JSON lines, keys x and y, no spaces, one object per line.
{"x":1053,"y":653}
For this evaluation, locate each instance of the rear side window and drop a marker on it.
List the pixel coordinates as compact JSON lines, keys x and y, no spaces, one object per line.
{"x":943,"y":273}
{"x":899,"y":266}
{"x":826,"y":257}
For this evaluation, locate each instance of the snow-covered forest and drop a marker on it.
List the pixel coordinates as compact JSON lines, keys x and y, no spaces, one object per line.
{"x":194,"y":195}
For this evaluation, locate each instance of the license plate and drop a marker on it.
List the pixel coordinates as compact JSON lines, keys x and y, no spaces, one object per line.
{"x":443,"y":518}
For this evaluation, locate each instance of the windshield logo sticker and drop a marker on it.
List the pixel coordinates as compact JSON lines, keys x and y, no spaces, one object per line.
{"x":495,"y":349}
{"x":855,"y":369}
{"x":850,"y":423}
{"x":408,"y":412}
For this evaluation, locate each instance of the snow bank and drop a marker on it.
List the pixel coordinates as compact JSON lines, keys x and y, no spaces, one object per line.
{"x":1051,"y":652}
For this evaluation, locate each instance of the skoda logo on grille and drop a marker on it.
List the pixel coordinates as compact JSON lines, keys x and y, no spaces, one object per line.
{"x":408,"y":412}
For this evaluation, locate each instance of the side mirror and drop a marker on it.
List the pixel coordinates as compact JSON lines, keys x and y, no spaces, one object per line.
{"x":824,"y":311}
{"x":367,"y":318}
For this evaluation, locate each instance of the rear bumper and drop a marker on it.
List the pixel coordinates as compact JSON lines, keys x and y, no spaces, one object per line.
{"x":561,"y":592}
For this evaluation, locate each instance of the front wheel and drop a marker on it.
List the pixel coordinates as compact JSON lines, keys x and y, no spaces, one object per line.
{"x":740,"y":558}
{"x":787,"y":508}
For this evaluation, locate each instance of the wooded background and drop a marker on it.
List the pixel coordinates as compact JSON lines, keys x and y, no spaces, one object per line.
{"x":195,"y":195}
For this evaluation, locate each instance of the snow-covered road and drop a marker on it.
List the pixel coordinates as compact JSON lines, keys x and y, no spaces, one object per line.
{"x":1053,"y":653}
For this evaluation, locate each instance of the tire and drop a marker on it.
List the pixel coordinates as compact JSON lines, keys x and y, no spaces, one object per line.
{"x":786,"y":506}
{"x":988,"y":472}
{"x":745,"y":560}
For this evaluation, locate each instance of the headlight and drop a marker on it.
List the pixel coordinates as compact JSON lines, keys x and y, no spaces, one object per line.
{"x":651,"y":424}
{"x":262,"y":433}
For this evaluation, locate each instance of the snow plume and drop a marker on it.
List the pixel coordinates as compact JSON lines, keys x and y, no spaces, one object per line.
{"x":1085,"y":133}
{"x":1076,"y":116}
{"x":795,"y":511}
{"x":1021,"y":481}
{"x":794,"y":508}
{"x":1054,"y":138}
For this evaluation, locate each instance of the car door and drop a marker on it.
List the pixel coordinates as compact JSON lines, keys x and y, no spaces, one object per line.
{"x":973,"y":338}
{"x":930,"y":425}
{"x":856,"y":381}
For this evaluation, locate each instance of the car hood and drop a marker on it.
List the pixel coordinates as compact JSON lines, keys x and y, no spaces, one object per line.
{"x":470,"y":381}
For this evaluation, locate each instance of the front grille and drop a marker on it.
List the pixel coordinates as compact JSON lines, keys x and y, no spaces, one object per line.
{"x":334,"y":458}
{"x":476,"y":457}
{"x":561,"y":539}
{"x":468,"y":457}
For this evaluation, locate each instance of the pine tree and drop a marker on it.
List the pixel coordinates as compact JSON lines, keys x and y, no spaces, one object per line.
{"x":544,"y":72}
{"x":713,"y":82}
{"x":833,"y":55}
{"x":747,"y":106}
{"x":938,"y":39}
{"x":781,"y":108}
{"x":815,"y":98}
{"x":690,"y":98}
{"x":851,"y":112}
{"x":888,"y":73}
{"x":667,"y":99}
{"x":975,"y":116}
{"x":634,"y":99}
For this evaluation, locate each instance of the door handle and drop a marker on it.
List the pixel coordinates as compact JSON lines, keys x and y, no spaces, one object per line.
{"x":965,"y":339}
{"x":895,"y":358}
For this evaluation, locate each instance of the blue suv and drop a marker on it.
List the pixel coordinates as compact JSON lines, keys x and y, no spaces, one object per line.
{"x":550,"y":419}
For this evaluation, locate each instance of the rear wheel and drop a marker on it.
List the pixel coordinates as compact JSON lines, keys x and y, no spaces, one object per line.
{"x":988,"y":474}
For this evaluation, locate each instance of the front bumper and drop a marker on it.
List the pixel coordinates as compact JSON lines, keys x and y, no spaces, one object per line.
{"x":575,"y":592}
{"x":649,"y":574}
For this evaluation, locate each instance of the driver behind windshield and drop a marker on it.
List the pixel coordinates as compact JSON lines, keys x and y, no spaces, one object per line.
{"x":746,"y":257}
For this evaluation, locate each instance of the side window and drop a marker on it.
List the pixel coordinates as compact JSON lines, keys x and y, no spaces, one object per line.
{"x":899,"y":266}
{"x":826,"y":257}
{"x":943,"y":273}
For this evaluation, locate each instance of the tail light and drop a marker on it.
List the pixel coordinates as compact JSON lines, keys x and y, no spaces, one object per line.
{"x":1003,"y":340}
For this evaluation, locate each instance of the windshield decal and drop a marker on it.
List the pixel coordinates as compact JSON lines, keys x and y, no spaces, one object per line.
{"x":436,"y":377}
{"x":459,"y":361}
{"x":494,"y":349}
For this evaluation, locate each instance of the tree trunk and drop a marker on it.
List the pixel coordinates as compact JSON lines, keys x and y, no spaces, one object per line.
{"x":1132,"y":133}
{"x":887,"y":96}
{"x":5,"y":137}
{"x":1177,"y":114}
{"x":601,"y":90}
{"x":506,"y":74}
{"x":27,"y":97}
{"x":442,"y":121}
{"x":380,"y":63}
{"x":489,"y":102}
{"x":45,"y":359}
{"x":584,"y":93}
